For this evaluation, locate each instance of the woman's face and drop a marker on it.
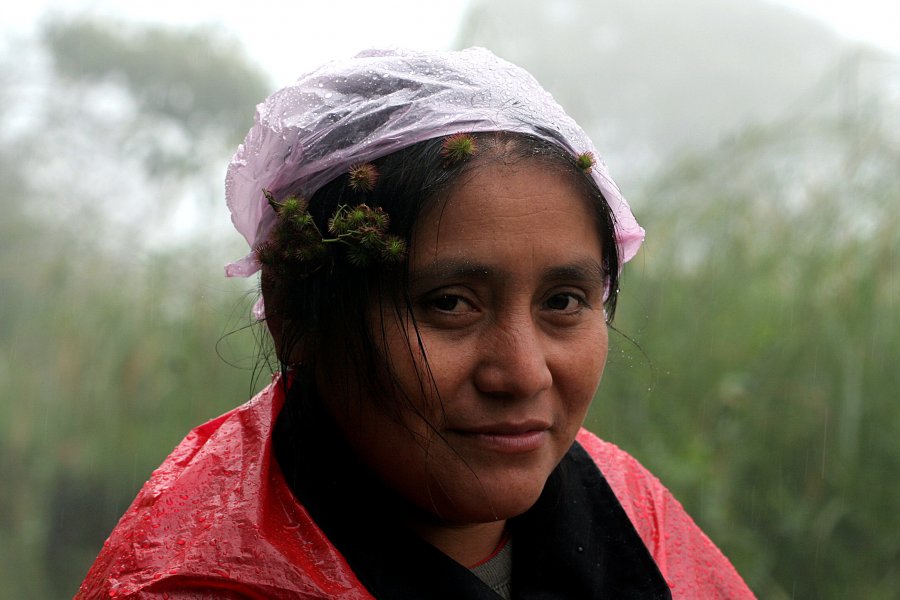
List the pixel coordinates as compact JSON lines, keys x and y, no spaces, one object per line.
{"x":507,"y":291}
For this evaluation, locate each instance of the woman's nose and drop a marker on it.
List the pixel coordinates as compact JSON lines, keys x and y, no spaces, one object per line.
{"x":513,"y":362}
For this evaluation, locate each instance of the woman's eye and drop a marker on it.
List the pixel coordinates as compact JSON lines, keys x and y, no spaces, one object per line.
{"x":564,"y":302}
{"x":448,"y":303}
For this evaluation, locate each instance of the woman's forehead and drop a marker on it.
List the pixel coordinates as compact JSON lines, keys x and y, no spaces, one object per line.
{"x":507,"y":215}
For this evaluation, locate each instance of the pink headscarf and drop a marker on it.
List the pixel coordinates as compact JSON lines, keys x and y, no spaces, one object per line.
{"x":380,"y":101}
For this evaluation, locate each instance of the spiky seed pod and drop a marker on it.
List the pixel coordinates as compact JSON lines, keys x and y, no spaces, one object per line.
{"x":379,"y":219}
{"x":369,"y":237}
{"x":585,"y":161}
{"x":291,"y":207}
{"x":310,"y":253}
{"x":356,"y":217}
{"x":309,"y":235}
{"x":267,"y":253}
{"x":302,"y":221}
{"x":296,"y":254}
{"x":362,"y":177}
{"x":337,"y":224}
{"x":458,"y":147}
{"x":393,"y":250}
{"x":358,"y":256}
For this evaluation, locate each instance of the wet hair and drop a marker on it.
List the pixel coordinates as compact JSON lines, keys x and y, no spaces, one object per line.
{"x":322,"y":323}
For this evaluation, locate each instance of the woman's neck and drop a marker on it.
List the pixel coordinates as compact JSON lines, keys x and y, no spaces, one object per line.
{"x":466,"y":544}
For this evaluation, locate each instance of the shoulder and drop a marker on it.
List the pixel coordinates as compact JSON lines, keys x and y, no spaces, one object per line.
{"x":217,"y":520}
{"x":692,"y":565}
{"x":639,"y":492}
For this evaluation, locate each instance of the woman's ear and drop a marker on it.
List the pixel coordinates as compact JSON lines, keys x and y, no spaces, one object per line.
{"x":275,"y":325}
{"x":288,"y":343}
{"x":286,"y":340}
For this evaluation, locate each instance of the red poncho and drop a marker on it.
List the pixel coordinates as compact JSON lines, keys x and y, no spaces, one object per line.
{"x":217,"y":519}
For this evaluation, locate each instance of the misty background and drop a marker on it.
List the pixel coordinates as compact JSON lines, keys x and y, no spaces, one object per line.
{"x":755,"y":368}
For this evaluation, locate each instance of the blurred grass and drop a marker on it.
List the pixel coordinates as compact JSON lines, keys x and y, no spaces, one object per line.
{"x":106,"y":367}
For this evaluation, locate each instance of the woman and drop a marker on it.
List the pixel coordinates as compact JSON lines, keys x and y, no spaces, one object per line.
{"x":439,"y":253}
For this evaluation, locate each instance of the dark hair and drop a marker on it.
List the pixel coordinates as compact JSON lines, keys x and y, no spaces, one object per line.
{"x":321,"y":322}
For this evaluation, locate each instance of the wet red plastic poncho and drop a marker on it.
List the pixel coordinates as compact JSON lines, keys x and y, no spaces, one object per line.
{"x":217,"y":520}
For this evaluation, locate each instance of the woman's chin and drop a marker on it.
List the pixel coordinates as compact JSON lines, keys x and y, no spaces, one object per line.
{"x":493,"y":501}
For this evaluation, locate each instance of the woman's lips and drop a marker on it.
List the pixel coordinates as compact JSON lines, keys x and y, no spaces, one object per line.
{"x":509,"y":439}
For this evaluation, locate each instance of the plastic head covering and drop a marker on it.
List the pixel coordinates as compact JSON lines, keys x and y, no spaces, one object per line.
{"x":378,"y":102}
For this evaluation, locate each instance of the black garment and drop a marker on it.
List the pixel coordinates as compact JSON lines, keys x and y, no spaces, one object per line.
{"x":575,"y":542}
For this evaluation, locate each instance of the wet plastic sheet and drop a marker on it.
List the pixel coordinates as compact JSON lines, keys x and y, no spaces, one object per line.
{"x":380,"y":101}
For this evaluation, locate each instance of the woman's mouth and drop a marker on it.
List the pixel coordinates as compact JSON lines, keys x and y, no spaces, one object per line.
{"x":507,"y":438}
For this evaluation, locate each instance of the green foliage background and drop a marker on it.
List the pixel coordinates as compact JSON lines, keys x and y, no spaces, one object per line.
{"x":112,"y":348}
{"x":769,"y":342}
{"x":755,"y":369}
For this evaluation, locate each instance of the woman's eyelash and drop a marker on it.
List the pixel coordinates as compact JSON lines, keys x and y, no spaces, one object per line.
{"x":445,"y":302}
{"x":580,"y":300}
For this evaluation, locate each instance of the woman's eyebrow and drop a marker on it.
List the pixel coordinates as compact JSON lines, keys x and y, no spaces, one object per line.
{"x":585,"y":270}
{"x":454,"y":269}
